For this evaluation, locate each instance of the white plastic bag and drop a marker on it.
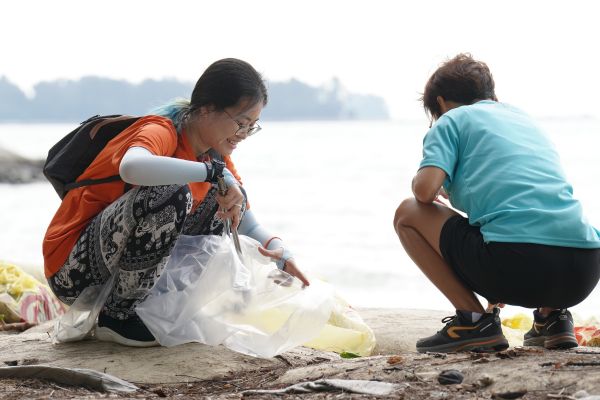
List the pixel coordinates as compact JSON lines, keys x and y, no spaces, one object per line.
{"x":207,"y":294}
{"x":345,"y":332}
{"x":78,"y":322}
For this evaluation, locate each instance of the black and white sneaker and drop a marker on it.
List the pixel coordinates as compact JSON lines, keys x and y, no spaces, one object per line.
{"x":461,"y":334}
{"x":129,"y":332}
{"x":556,"y":331}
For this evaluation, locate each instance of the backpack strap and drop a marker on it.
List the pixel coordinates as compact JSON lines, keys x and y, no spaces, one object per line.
{"x":89,"y":182}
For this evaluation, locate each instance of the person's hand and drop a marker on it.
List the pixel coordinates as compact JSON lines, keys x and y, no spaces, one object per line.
{"x":443,"y":193}
{"x":490,"y":307}
{"x":290,"y":265}
{"x":441,"y":197}
{"x":230,"y":205}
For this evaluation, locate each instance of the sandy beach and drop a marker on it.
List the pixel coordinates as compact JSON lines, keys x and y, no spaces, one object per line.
{"x":200,"y":371}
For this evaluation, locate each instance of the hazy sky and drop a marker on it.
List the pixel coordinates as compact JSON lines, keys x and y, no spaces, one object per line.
{"x":543,"y":54}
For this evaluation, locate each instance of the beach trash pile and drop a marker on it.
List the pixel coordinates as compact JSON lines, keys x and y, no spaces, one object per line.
{"x":587,"y":332}
{"x":25,"y":299}
{"x":588,"y":335}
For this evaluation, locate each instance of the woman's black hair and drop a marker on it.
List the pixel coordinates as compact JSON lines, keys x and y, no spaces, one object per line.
{"x":461,"y":79}
{"x":223,"y":84}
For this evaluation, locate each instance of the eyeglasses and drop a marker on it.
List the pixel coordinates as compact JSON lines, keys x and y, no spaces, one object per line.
{"x":248,"y":130}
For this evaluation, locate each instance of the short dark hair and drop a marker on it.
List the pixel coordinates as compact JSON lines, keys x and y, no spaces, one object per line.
{"x":225,"y":82}
{"x":461,"y":79}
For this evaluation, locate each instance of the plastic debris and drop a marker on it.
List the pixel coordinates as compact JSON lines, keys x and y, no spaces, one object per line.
{"x":25,"y":299}
{"x":77,"y":323}
{"x":588,"y":336}
{"x":587,"y":333}
{"x":519,"y":321}
{"x":344,"y":332}
{"x":375,"y":388}
{"x":583,"y":395}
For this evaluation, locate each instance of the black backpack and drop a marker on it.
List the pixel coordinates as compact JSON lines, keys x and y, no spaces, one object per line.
{"x":70,"y":157}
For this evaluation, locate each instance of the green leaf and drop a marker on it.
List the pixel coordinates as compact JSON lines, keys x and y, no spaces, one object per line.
{"x":347,"y":354}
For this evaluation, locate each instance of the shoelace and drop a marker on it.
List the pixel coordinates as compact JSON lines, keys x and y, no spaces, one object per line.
{"x":448,"y":320}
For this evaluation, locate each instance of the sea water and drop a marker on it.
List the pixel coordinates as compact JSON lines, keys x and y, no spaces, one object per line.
{"x":329,"y":189}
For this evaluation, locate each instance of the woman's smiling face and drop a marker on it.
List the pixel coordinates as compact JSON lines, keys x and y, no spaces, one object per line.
{"x":222,"y":131}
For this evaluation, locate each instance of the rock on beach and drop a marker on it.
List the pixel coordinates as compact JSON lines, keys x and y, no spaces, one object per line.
{"x":18,"y":169}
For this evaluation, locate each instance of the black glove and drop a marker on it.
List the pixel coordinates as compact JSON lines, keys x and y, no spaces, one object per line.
{"x":214,"y":168}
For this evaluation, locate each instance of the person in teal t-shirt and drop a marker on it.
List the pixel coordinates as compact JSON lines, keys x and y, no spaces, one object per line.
{"x":524,"y":240}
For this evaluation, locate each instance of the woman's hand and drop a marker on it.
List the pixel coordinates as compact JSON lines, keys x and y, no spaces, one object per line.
{"x":230,"y":205}
{"x":290,"y":265}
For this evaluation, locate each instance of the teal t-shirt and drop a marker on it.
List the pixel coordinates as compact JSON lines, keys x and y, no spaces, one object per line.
{"x":505,"y":174}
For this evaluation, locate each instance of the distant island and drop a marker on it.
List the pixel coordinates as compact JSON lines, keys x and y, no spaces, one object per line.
{"x":76,"y":100}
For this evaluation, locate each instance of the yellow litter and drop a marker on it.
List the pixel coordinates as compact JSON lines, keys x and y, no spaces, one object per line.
{"x":345,"y":332}
{"x":23,"y":298}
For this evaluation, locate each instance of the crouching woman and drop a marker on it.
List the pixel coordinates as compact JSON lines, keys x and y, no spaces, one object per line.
{"x":169,"y":161}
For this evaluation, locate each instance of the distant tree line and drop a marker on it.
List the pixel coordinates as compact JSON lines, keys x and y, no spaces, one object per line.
{"x":68,"y":100}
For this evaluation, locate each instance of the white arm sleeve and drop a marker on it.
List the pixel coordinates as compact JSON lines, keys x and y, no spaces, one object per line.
{"x":250,"y":227}
{"x":140,"y":167}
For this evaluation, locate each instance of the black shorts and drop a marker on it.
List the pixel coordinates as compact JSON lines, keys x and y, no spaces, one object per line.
{"x":522,"y":274}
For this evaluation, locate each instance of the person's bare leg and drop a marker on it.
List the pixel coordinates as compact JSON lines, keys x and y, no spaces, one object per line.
{"x":418,"y":226}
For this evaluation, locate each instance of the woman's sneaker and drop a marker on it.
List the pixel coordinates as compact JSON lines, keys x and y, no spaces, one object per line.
{"x":128,"y":332}
{"x":556,"y":331}
{"x":461,"y":334}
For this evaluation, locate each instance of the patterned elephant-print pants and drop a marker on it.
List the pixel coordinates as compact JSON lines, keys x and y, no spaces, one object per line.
{"x":133,"y":237}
